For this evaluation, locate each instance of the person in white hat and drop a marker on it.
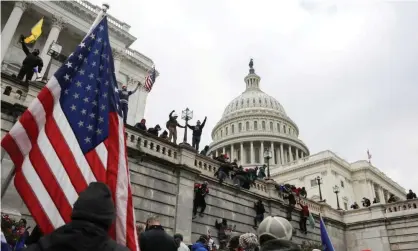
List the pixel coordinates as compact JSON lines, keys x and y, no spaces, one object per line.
{"x":275,"y":233}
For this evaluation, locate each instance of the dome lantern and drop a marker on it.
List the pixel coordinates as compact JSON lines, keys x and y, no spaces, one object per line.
{"x":252,"y":80}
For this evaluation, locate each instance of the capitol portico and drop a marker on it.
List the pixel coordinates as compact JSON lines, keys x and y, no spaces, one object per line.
{"x":253,"y":123}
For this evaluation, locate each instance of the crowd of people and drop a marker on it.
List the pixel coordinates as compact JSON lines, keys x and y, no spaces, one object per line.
{"x":171,"y":133}
{"x":94,"y":212}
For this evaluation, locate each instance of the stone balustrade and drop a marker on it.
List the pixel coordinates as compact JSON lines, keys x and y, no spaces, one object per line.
{"x":402,"y":206}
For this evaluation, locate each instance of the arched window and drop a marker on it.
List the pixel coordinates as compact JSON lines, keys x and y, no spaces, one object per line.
{"x":239,"y":127}
{"x":289,"y":130}
{"x":284,"y":129}
{"x":247,"y":126}
{"x":7,"y":90}
{"x":255,"y":125}
{"x":263,"y":125}
{"x":226,"y":131}
{"x":271,"y":126}
{"x":19,"y":94}
{"x":232,"y":129}
{"x":222,"y":132}
{"x":278,"y":127}
{"x":248,"y":102}
{"x":254,"y":101}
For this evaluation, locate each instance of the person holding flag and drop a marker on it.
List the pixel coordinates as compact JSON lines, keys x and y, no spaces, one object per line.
{"x":31,"y":61}
{"x":70,"y":141}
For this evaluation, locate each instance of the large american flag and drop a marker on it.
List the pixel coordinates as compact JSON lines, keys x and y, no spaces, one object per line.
{"x":150,"y":80}
{"x":73,"y":134}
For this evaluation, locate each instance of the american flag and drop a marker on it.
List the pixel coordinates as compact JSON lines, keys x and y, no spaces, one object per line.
{"x":71,"y":135}
{"x":150,"y":80}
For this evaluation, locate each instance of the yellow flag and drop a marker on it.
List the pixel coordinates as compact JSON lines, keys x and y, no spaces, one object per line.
{"x":35,"y":32}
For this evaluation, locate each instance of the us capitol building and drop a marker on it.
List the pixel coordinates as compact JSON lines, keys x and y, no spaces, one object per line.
{"x":255,"y":130}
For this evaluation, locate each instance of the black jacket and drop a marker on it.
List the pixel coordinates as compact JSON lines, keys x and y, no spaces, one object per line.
{"x":153,"y":131}
{"x":92,"y":216}
{"x":259,"y":208}
{"x":197,"y":130}
{"x":31,"y":61}
{"x":156,"y":239}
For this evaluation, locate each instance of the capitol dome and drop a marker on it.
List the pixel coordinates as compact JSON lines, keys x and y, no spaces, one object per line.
{"x":253,"y":123}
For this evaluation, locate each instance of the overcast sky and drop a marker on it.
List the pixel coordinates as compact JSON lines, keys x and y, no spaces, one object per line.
{"x":345,"y":73}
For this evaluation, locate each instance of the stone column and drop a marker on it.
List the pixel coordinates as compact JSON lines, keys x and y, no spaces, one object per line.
{"x":262,"y":160}
{"x":232,"y":152}
{"x":278,"y":158}
{"x":184,"y":206}
{"x":10,"y":27}
{"x":381,"y":195}
{"x":241,"y":153}
{"x":252,"y":152}
{"x":290,"y":154}
{"x":57,"y":25}
{"x":118,"y":56}
{"x":216,"y":153}
{"x":273,"y":155}
{"x":281,"y":154}
{"x":302,"y":154}
{"x":223,"y":150}
{"x":297,"y":153}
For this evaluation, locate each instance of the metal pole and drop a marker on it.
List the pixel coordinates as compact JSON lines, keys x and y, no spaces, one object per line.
{"x":338,"y":201}
{"x":185,"y":130}
{"x":320,"y":193}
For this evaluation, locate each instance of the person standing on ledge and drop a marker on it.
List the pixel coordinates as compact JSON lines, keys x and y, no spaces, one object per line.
{"x":124,"y":99}
{"x":31,"y":61}
{"x":172,"y":125}
{"x":197,"y":132}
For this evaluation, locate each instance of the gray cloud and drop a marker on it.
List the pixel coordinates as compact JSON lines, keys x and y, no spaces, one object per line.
{"x":344,"y":72}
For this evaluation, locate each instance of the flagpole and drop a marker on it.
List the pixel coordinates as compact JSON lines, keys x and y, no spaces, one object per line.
{"x":11,"y":174}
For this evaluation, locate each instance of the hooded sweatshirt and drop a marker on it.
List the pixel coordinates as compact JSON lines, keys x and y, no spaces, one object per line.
{"x":198,"y":246}
{"x":92,"y":216}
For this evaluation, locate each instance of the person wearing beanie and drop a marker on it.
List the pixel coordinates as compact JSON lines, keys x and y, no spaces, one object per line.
{"x":200,"y":245}
{"x":248,"y":242}
{"x":179,"y":241}
{"x":93,"y":214}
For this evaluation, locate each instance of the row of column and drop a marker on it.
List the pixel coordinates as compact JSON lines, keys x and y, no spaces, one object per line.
{"x":381,"y":193}
{"x":58,"y":24}
{"x":284,"y":153}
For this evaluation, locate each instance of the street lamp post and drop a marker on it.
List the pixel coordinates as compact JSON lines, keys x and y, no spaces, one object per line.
{"x":267,"y":155}
{"x":336,"y":191}
{"x":319,"y":182}
{"x":186,"y":115}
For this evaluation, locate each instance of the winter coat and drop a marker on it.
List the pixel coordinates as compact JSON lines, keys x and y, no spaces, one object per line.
{"x":31,"y":61}
{"x":141,"y":126}
{"x":197,"y":130}
{"x":92,"y":216}
{"x":200,"y":190}
{"x":198,"y":246}
{"x":156,"y":239}
{"x":259,"y":208}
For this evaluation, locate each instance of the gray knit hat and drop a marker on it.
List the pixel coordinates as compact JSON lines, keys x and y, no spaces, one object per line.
{"x":248,"y":241}
{"x":276,"y":228}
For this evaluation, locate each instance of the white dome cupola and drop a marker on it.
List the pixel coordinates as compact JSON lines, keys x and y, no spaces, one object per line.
{"x":253,"y":122}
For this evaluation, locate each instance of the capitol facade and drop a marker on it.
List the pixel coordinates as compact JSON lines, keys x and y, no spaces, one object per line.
{"x":255,"y":130}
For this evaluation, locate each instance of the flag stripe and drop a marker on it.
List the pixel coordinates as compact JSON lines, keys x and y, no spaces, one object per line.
{"x":112,"y":161}
{"x":40,"y":192}
{"x":97,"y":166}
{"x":49,"y":182}
{"x":21,"y":139}
{"x":122,"y":186}
{"x":10,"y":146}
{"x":32,"y":202}
{"x":101,"y":152}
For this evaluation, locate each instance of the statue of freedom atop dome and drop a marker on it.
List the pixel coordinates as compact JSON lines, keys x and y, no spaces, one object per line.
{"x":251,"y":64}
